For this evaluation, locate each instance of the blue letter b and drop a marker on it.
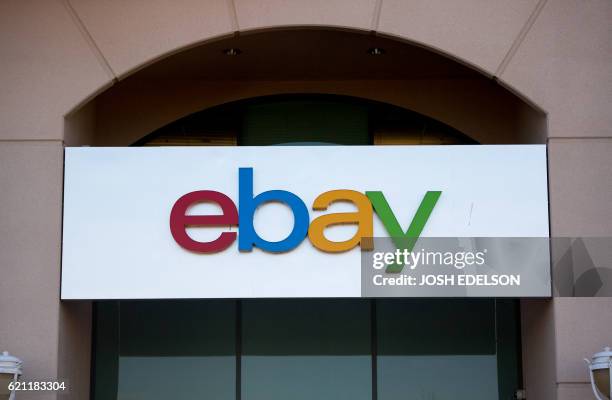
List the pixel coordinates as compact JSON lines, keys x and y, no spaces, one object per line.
{"x":247,"y":237}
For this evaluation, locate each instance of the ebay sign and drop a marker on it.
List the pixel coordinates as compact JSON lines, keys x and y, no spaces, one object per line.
{"x":282,"y":221}
{"x":362,"y":218}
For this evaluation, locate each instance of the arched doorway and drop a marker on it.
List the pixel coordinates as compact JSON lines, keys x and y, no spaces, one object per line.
{"x":267,"y":89}
{"x":306,"y":61}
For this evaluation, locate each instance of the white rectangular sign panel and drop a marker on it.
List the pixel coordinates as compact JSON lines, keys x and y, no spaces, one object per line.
{"x":289,"y":221}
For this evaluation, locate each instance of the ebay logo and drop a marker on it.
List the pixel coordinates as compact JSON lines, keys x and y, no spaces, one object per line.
{"x":368,"y":204}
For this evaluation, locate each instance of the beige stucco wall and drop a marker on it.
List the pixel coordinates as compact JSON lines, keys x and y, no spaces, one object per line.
{"x":553,"y":53}
{"x":55,"y":55}
{"x":30,"y":227}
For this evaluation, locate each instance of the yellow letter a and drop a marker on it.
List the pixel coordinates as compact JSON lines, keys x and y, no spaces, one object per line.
{"x":363,"y":218}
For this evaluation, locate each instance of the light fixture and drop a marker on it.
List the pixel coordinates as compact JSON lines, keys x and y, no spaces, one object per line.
{"x":600,"y":371}
{"x":10,"y":370}
{"x":376,"y":51}
{"x":232,"y":52}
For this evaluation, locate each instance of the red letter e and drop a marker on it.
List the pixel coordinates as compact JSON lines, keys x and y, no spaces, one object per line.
{"x":179,"y":221}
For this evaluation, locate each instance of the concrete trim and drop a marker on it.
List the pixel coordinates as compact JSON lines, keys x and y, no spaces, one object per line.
{"x":520,"y":38}
{"x":90,"y":40}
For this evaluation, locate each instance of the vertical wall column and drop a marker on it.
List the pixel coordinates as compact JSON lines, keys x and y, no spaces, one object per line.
{"x":52,"y":338}
{"x":30,"y":242}
{"x":559,"y":333}
{"x":580,"y":197}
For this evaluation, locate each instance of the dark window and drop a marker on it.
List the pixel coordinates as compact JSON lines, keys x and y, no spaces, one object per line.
{"x":390,"y":349}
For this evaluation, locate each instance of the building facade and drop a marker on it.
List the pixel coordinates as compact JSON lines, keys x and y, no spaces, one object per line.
{"x":373,"y":72}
